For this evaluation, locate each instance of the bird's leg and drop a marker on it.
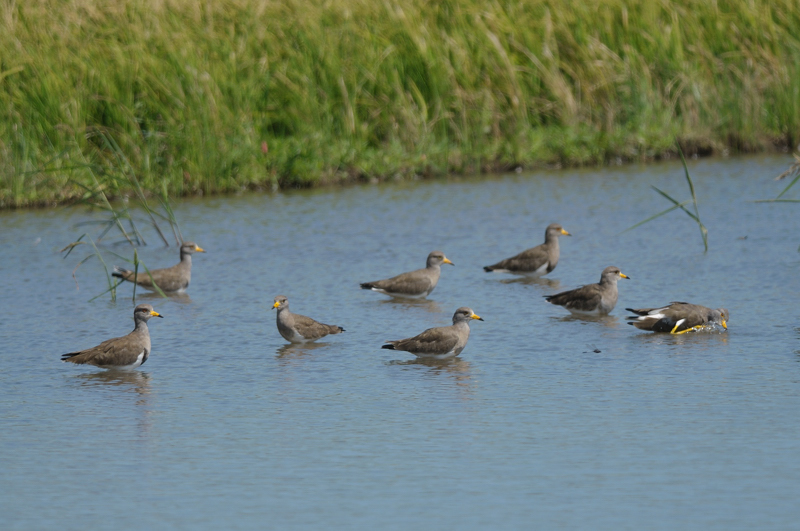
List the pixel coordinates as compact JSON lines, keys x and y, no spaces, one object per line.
{"x":698,"y":327}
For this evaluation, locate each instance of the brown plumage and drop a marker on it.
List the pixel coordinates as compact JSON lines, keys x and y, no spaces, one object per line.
{"x":414,"y":284}
{"x":127,"y":352}
{"x":443,"y":342}
{"x":592,"y":299}
{"x":297,"y":328}
{"x":678,"y":317}
{"x":537,"y":261}
{"x":170,"y":279}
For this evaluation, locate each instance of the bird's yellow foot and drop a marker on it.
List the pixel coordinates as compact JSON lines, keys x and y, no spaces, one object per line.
{"x":698,"y":327}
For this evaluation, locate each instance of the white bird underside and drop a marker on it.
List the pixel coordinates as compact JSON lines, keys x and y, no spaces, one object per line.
{"x":401,"y":295}
{"x":596,"y":312}
{"x":297,"y":338}
{"x":445,"y":356}
{"x":134,"y":365}
{"x":533,"y":274}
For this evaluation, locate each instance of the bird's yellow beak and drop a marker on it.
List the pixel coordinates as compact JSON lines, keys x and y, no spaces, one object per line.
{"x":623,"y":275}
{"x":199,"y":249}
{"x":724,"y":324}
{"x":447,"y":261}
{"x":156,"y":314}
{"x":565,"y":233}
{"x":476,"y":316}
{"x":276,"y":305}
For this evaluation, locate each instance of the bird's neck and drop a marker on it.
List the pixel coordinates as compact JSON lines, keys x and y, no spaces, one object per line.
{"x":551,"y":240}
{"x":186,"y":258}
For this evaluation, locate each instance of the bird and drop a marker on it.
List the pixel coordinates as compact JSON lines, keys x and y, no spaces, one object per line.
{"x":414,"y":284}
{"x":592,"y":299}
{"x":678,"y":318}
{"x":534,"y":262}
{"x":439,"y":343}
{"x":126,"y":352}
{"x":170,"y":279}
{"x":297,"y":328}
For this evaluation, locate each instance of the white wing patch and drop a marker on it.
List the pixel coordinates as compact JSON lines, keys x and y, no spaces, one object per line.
{"x":137,"y":363}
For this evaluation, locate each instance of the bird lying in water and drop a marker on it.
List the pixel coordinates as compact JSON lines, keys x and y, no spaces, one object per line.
{"x":678,"y":318}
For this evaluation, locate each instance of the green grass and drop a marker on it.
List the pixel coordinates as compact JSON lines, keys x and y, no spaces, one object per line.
{"x":233,"y":94}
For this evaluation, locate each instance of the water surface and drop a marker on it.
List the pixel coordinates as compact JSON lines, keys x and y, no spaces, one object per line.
{"x":543,"y":421}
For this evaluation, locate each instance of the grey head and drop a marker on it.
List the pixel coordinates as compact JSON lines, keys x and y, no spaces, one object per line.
{"x":191,"y":248}
{"x":554,"y":230}
{"x":721,"y":316}
{"x":465,"y":314}
{"x":437,"y":258}
{"x":281,"y":303}
{"x":144,"y":312}
{"x":611,"y":274}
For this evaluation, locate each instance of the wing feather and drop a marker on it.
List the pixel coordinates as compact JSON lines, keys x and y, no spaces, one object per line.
{"x":411,"y":283}
{"x":585,"y":299}
{"x":432,"y":341}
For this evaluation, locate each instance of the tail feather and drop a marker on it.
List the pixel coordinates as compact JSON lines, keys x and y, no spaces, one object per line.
{"x":642,"y":311}
{"x":643,"y":323}
{"x":68,"y":357}
{"x":120,"y":272}
{"x":366,"y":285}
{"x":388,"y":346}
{"x":488,"y":269}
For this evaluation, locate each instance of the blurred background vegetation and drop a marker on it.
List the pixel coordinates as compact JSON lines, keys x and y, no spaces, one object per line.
{"x":110,"y":98}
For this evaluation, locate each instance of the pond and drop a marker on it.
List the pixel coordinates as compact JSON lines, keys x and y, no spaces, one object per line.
{"x":544,"y":420}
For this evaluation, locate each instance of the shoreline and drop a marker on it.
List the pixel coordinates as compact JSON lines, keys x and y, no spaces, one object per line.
{"x":775,"y":149}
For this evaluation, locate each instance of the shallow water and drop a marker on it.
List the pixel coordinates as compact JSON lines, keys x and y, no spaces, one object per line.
{"x":544,"y":420}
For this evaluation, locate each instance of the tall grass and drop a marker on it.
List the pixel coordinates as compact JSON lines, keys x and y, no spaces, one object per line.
{"x":225,"y":95}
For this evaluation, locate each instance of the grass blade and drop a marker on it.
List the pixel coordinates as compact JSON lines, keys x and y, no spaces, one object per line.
{"x":651,"y":218}
{"x":111,"y":288}
{"x":135,"y":273}
{"x":703,"y":230}
{"x":796,"y":178}
{"x":158,"y":290}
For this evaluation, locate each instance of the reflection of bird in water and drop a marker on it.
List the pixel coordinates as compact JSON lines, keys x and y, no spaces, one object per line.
{"x":697,"y":341}
{"x":298,"y":349}
{"x":425,"y":304}
{"x":457,"y":368}
{"x":127,"y":380}
{"x":550,"y":283}
{"x":181,"y":297}
{"x":610,"y":321}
